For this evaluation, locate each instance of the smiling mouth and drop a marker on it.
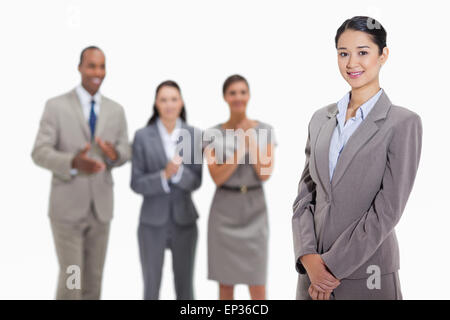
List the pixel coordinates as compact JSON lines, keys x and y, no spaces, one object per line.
{"x":96,"y":80}
{"x":355,"y":74}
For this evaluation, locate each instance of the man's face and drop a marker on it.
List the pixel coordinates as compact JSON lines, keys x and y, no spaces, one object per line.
{"x":92,"y":70}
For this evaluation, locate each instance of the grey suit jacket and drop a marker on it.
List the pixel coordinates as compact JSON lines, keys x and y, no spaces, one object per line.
{"x":351,"y":220}
{"x":63,"y":132}
{"x":149,"y":158}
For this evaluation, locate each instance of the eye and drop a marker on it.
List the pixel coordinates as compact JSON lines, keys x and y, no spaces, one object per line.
{"x":363,"y":53}
{"x":343,"y":54}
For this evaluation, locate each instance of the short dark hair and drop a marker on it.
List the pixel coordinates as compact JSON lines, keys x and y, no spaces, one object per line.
{"x":86,"y":49}
{"x":232,"y":79}
{"x":367,"y":25}
{"x":155,"y":115}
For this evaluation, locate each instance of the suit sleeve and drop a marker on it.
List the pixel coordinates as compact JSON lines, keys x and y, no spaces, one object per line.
{"x":142,"y":181}
{"x":45,"y":153}
{"x":191,"y":177}
{"x":362,"y":238}
{"x":122,"y":145}
{"x":303,"y":218}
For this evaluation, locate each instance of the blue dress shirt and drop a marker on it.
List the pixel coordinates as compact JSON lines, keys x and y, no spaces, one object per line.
{"x":344,"y":130}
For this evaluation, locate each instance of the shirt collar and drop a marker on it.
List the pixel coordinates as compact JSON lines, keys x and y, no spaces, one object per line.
{"x":342,"y":107}
{"x":163,"y":131}
{"x":362,"y":111}
{"x":86,"y":97}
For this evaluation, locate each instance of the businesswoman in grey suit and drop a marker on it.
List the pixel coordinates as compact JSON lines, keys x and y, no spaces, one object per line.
{"x":238,"y":225}
{"x":166,"y":168}
{"x":362,"y":156}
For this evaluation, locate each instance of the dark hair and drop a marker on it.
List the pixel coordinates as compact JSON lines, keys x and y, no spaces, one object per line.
{"x":86,"y":49}
{"x":232,"y":79}
{"x":155,"y":115}
{"x":367,"y":25}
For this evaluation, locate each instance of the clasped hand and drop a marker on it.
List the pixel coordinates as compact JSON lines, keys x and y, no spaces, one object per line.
{"x":322,"y":281}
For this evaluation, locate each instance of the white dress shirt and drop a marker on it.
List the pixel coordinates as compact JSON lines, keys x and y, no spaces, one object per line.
{"x":169,"y":141}
{"x":85,"y":100}
{"x":345,"y":129}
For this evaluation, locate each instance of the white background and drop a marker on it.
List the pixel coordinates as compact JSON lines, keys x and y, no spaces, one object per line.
{"x":284,"y":48}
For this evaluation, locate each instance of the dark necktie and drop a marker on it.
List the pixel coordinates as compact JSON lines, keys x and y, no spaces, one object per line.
{"x":92,"y":119}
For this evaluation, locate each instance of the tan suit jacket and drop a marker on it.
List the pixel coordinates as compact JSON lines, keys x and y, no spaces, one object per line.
{"x":63,"y":132}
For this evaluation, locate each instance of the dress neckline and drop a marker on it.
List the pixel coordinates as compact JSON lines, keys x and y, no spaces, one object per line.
{"x":220,"y":125}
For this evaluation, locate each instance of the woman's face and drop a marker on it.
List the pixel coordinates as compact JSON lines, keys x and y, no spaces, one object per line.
{"x":237,"y":96}
{"x":359,"y":59}
{"x":169,"y":103}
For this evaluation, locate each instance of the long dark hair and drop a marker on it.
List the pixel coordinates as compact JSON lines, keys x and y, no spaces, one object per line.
{"x":365,"y":24}
{"x":155,"y":115}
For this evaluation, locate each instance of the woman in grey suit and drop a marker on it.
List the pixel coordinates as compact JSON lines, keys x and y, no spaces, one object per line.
{"x":362,"y":156}
{"x":166,"y":168}
{"x":237,"y":225}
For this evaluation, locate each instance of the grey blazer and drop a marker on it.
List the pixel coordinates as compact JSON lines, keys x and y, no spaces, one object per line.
{"x":149,"y":158}
{"x":351,"y":220}
{"x":63,"y":132}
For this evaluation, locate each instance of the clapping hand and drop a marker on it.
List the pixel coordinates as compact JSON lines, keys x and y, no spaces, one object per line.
{"x":88,"y":165}
{"x":107,"y":148}
{"x":172,"y":166}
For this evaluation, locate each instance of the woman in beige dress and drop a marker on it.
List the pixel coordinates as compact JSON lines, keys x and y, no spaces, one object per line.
{"x":238,"y":225}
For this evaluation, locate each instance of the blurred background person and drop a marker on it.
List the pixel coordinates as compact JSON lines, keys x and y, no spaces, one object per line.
{"x":82,"y":136}
{"x":166,"y":175}
{"x":238,"y":222}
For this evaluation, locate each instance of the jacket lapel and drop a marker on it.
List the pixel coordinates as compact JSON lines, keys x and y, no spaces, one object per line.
{"x":157,"y":145}
{"x":322,"y":147}
{"x":361,"y":136}
{"x":102,"y":117}
{"x":76,"y":107}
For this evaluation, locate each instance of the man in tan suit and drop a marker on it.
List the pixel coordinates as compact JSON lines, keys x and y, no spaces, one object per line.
{"x":82,"y":136}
